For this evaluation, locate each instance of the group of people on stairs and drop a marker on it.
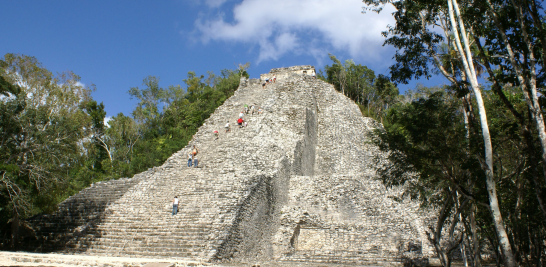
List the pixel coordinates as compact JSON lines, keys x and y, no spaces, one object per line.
{"x":253,"y":109}
{"x":192,"y":157}
{"x":269,"y":80}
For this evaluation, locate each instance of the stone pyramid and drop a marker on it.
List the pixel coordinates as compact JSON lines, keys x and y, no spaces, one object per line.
{"x":296,"y":184}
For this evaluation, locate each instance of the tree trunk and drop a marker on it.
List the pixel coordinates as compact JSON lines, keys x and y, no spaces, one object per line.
{"x":494,"y":208}
{"x":436,"y":236}
{"x":475,"y":240}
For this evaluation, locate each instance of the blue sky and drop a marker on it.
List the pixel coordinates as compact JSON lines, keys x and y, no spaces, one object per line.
{"x":115,"y":44}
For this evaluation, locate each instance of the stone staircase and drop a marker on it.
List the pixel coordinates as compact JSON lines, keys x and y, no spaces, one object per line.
{"x":295,"y":185}
{"x":78,"y":214}
{"x":141,"y":222}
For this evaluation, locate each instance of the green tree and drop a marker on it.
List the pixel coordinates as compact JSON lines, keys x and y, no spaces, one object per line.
{"x":477,"y":35}
{"x":121,"y":136}
{"x":42,"y":128}
{"x":386,"y":92}
{"x":428,"y":137}
{"x":7,"y":89}
{"x":101,"y":150}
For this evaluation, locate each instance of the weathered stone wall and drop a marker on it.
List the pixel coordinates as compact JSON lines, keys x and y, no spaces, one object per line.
{"x":283,"y":73}
{"x":297,"y":184}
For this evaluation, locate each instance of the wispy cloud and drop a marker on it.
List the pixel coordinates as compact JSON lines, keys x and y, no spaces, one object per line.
{"x":215,"y":3}
{"x":279,"y":27}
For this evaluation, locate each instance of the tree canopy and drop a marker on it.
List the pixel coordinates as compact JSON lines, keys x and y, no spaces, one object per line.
{"x":501,"y":41}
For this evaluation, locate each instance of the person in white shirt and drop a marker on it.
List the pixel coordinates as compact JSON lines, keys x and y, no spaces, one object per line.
{"x":175,"y":205}
{"x":227,"y":127}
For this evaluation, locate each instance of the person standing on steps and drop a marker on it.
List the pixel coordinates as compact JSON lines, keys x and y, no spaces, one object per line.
{"x":240,"y":122}
{"x":216,"y":134}
{"x":227,"y":127}
{"x":194,"y":153}
{"x":274,"y":79}
{"x":195,"y":162}
{"x":190,"y":159}
{"x":246,"y":108}
{"x":175,"y":205}
{"x":241,"y":114}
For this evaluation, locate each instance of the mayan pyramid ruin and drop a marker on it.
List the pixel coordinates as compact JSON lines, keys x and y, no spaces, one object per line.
{"x":296,"y":185}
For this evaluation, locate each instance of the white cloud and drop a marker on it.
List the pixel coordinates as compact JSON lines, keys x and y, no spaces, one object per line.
{"x":106,"y":120}
{"x":279,"y":27}
{"x":210,"y":3}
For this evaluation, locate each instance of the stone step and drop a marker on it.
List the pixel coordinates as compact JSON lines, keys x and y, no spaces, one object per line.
{"x":349,"y":261}
{"x":144,"y":253}
{"x":173,"y":234}
{"x":172,"y":243}
{"x":34,"y":259}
